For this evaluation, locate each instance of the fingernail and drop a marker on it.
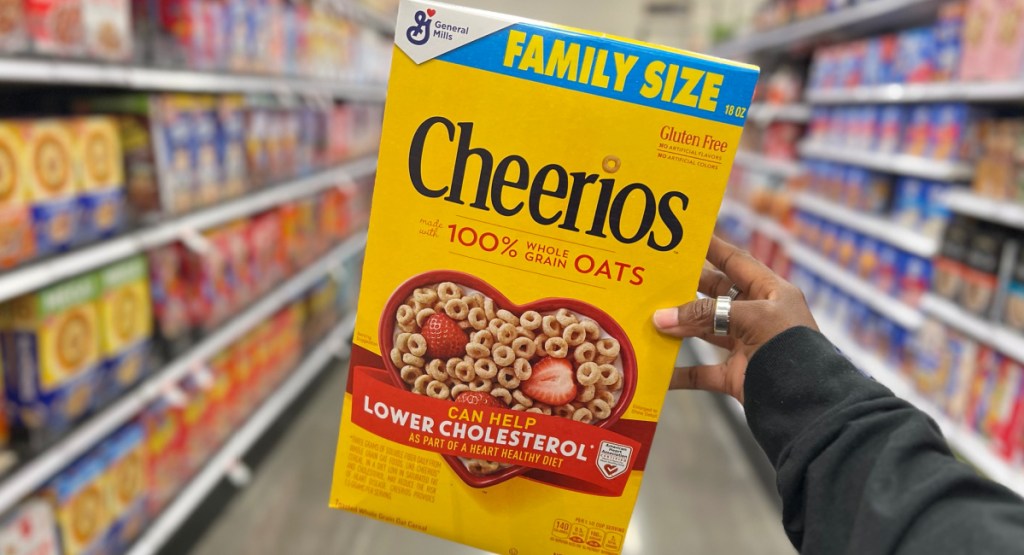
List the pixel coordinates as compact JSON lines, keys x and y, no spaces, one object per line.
{"x":666,"y":318}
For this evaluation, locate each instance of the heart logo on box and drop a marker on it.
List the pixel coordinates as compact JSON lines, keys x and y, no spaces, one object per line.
{"x":431,"y":12}
{"x":389,"y":330}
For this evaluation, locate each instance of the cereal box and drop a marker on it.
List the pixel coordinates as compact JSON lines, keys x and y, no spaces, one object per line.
{"x":108,"y":25}
{"x":126,"y":325}
{"x":17,"y":241}
{"x":51,"y":184}
{"x":52,"y":345}
{"x":125,"y":486}
{"x":100,"y":177}
{"x":30,"y":529}
{"x":56,"y":26}
{"x":83,"y":513}
{"x":521,"y":237}
{"x":13,"y":26}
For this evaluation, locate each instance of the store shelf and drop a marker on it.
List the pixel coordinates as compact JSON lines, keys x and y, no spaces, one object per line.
{"x":763,"y":224}
{"x":882,"y":229}
{"x":961,"y":439}
{"x":760,"y":163}
{"x":862,"y":19}
{"x":893,"y":309}
{"x":1004,"y":339}
{"x":39,"y":274}
{"x":26,"y":479}
{"x":1007,"y":213}
{"x":903,"y":164}
{"x":764,"y":113}
{"x":382,"y":23}
{"x":183,"y":506}
{"x":91,"y":74}
{"x":986,"y":92}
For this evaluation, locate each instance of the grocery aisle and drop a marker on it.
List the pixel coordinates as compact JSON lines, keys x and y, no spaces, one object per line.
{"x":700,"y":494}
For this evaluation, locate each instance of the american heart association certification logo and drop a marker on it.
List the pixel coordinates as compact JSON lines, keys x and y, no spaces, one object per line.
{"x":613,"y":459}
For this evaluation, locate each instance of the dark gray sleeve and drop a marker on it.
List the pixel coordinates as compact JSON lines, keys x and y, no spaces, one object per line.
{"x":861,"y":471}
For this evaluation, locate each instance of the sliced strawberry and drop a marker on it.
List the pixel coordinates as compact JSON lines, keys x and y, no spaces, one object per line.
{"x":478,"y":398}
{"x":445,"y":339}
{"x":551,"y":382}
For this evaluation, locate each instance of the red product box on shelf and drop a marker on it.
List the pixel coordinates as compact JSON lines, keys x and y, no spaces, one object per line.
{"x":13,"y":27}
{"x":56,"y":26}
{"x":981,"y":23}
{"x":165,"y":454}
{"x":1008,"y":42}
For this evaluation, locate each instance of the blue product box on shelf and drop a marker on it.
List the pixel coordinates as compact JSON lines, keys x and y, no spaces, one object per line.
{"x":125,"y":487}
{"x":918,"y":134}
{"x":915,"y":58}
{"x":949,"y":125}
{"x":887,"y":275}
{"x":891,"y":120}
{"x":915,"y":277}
{"x":908,"y":202}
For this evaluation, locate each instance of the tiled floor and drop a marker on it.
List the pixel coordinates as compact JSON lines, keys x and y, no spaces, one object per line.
{"x":699,"y":495}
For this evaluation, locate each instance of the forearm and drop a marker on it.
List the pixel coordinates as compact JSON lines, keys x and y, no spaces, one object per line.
{"x":861,"y":471}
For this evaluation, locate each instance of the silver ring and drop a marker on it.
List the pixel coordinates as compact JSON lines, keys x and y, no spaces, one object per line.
{"x":723,"y":305}
{"x":734,"y":292}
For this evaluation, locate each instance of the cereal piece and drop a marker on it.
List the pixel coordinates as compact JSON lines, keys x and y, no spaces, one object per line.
{"x":413,"y":360}
{"x":485,"y":368}
{"x":518,"y":406}
{"x":449,"y":366}
{"x":396,"y":357}
{"x":566,"y":318}
{"x":464,"y":325}
{"x":507,"y":316}
{"x":564,"y":411}
{"x":436,"y":370}
{"x":480,"y":467}
{"x":535,"y":410}
{"x":507,"y":379}
{"x":523,"y":332}
{"x":457,"y":309}
{"x":617,"y":384}
{"x":425,"y":296}
{"x":420,"y":385}
{"x":586,"y":394}
{"x":458,"y":389}
{"x":574,"y":334}
{"x":417,"y":345}
{"x":608,"y":347}
{"x":609,"y":374}
{"x":606,"y":396}
{"x":464,"y":371}
{"x":502,"y":394}
{"x":585,"y":352}
{"x":438,"y":307}
{"x":410,"y":373}
{"x":544,"y":409}
{"x":482,"y":337}
{"x":406,"y":314}
{"x":489,"y":309}
{"x":523,"y":347}
{"x":522,"y":398}
{"x":493,"y":325}
{"x":531,"y":320}
{"x":523,"y":369}
{"x":506,"y":334}
{"x":447,"y":291}
{"x":583,"y":415}
{"x":477,"y":350}
{"x":538,"y":343}
{"x":551,"y":327}
{"x":588,"y":373}
{"x":556,"y":347}
{"x":599,"y":409}
{"x":592,"y":329}
{"x":421,"y":316}
{"x":477,"y":318}
{"x":480,"y":384}
{"x":474,"y":300}
{"x":503,"y":355}
{"x":402,"y":342}
{"x":438,"y":390}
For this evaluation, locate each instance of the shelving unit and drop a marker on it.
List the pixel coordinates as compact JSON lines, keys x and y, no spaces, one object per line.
{"x":756,"y":162}
{"x":26,"y":479}
{"x":902,"y":164}
{"x":963,"y":201}
{"x":764,"y":113}
{"x":764,"y":225}
{"x":980,"y":93}
{"x":92,"y":74}
{"x":40,"y":274}
{"x":880,"y":228}
{"x":181,"y":508}
{"x":1004,"y":339}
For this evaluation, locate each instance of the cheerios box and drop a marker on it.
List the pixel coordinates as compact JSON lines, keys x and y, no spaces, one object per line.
{"x":78,"y":495}
{"x":541,"y":192}
{"x":126,"y":326}
{"x":17,"y":241}
{"x":51,"y":183}
{"x":100,"y":177}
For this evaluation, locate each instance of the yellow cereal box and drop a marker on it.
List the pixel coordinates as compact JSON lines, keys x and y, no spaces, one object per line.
{"x":17,"y":242}
{"x":542,"y":191}
{"x":50,"y":183}
{"x":126,"y":325}
{"x":100,"y":177}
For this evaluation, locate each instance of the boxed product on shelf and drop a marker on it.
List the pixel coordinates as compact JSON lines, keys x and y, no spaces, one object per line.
{"x":126,"y":318}
{"x":949,"y":40}
{"x":892,"y":119}
{"x":1014,"y":312}
{"x":30,"y":529}
{"x":169,"y":292}
{"x":107,"y":26}
{"x":995,"y":402}
{"x":982,"y":270}
{"x":269,"y":257}
{"x":17,"y":237}
{"x":230,"y":122}
{"x":915,"y":277}
{"x":52,"y":356}
{"x":944,"y":363}
{"x":124,"y":484}
{"x":100,"y":171}
{"x":915,"y":56}
{"x":13,"y":26}
{"x":917,"y":136}
{"x":51,"y":183}
{"x":165,"y":454}
{"x":56,"y":26}
{"x":908,"y":202}
{"x":950,"y":263}
{"x":197,"y":421}
{"x":980,"y":27}
{"x":79,"y":495}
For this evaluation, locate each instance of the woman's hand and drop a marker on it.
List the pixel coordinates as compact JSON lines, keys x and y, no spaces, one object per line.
{"x":766,"y":306}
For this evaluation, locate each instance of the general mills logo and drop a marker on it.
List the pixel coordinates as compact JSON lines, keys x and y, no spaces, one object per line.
{"x":419,"y":33}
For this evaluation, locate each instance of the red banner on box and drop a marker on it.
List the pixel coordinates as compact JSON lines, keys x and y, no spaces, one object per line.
{"x":559,"y":445}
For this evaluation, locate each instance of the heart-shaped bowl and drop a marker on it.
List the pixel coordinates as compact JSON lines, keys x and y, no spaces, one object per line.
{"x":387,"y":333}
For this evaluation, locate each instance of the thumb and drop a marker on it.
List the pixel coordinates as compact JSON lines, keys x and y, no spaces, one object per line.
{"x":697,"y":318}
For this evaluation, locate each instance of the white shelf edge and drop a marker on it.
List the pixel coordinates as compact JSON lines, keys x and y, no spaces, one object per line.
{"x":25,"y":480}
{"x":82,"y":73}
{"x":1004,"y":339}
{"x":952,"y":91}
{"x":35,"y":275}
{"x":903,"y":164}
{"x":892,"y":308}
{"x":901,"y":237}
{"x":960,"y":438}
{"x":1007,"y":213}
{"x":758,"y":162}
{"x":764,"y":113}
{"x":181,"y":508}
